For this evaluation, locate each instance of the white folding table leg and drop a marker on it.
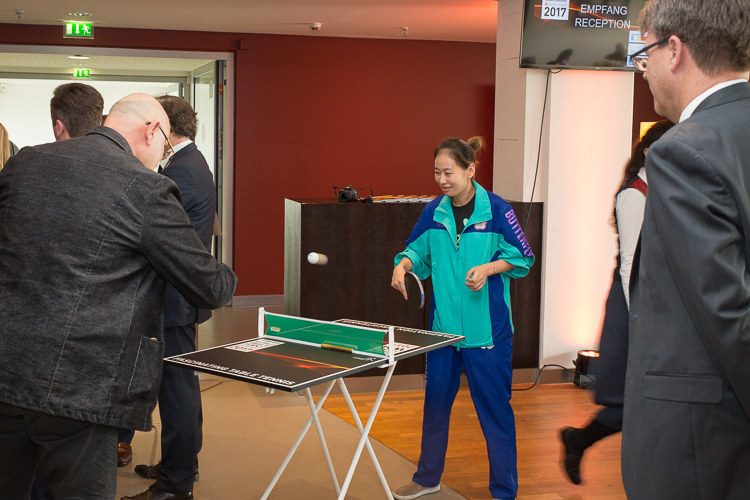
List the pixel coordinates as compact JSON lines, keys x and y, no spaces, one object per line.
{"x":358,"y":422}
{"x":314,"y":413}
{"x":365,"y":434}
{"x":296,"y":444}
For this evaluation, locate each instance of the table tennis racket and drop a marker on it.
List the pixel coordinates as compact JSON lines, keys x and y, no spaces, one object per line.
{"x":414,"y":291}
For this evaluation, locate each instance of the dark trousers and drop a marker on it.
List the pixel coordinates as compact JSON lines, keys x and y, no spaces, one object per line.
{"x":40,"y":490}
{"x":489,"y":374}
{"x":79,"y":459}
{"x":181,"y":415}
{"x":610,"y":366}
{"x":125,"y":435}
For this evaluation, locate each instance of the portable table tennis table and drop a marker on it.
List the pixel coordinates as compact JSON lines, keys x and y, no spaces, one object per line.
{"x":295,"y":354}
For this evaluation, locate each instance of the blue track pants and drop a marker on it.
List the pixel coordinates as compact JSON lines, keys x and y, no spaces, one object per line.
{"x":489,"y":373}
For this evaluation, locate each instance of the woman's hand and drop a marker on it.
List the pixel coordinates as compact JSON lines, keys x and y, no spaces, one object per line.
{"x":397,"y":281}
{"x":477,"y":276}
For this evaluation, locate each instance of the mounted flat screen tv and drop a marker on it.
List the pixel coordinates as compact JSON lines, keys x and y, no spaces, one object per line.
{"x":588,"y":34}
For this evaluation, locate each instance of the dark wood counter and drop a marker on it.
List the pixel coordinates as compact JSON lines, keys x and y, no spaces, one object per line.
{"x":361,"y":241}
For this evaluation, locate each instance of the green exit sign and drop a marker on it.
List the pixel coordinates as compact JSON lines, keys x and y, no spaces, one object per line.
{"x":82,"y":73}
{"x":75,"y":29}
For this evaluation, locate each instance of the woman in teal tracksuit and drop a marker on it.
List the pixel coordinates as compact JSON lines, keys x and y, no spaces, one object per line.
{"x":471,"y":243}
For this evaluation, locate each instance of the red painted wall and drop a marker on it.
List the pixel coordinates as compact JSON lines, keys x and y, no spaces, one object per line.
{"x":314,"y":112}
{"x":332,"y":112}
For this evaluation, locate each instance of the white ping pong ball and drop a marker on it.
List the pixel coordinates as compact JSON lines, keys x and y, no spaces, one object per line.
{"x":317,"y":258}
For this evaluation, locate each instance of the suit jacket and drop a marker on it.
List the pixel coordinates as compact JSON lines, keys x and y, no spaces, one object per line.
{"x":88,"y":238}
{"x":189,"y":170}
{"x":686,"y":432}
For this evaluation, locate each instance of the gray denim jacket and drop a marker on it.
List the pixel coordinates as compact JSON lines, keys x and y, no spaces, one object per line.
{"x":88,"y":238}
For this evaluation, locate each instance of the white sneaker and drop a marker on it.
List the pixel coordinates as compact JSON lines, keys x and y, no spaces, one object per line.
{"x":414,"y":490}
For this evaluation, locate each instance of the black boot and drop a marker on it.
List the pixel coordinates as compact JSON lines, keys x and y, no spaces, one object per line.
{"x":575,"y":441}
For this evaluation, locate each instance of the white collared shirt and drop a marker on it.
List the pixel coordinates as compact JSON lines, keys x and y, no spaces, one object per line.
{"x":690,"y":108}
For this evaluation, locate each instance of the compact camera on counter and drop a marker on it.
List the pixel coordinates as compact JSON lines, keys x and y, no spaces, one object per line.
{"x":349,"y":193}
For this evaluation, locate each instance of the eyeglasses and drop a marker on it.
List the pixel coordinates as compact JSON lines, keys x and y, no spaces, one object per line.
{"x":640,"y":58}
{"x":167,"y":152}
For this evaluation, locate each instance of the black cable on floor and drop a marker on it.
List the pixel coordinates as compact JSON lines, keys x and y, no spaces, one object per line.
{"x":540,"y":373}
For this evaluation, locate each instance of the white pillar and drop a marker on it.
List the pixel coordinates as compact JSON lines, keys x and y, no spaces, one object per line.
{"x":590,"y":127}
{"x":584,"y":146}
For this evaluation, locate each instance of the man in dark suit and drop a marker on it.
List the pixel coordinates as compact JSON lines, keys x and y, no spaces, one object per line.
{"x":88,"y":238}
{"x":686,"y":432}
{"x":179,"y":395}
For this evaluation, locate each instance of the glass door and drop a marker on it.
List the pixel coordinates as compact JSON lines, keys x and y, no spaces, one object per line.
{"x":209,"y":103}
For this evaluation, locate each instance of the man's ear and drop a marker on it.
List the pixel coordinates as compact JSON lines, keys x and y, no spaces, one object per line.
{"x":60,"y":131}
{"x":678,"y":53}
{"x":152,"y":131}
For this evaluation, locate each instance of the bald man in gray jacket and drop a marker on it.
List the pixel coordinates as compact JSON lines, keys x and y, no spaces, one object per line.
{"x":89,"y":236}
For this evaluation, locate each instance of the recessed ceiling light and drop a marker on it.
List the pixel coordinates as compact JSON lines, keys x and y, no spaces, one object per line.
{"x":79,"y":57}
{"x":80,"y":14}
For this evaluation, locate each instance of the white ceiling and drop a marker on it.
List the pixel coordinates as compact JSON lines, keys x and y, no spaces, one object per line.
{"x":451,"y":20}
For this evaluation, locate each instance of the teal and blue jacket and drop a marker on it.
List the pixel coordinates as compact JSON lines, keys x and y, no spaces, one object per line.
{"x":492,"y":233}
